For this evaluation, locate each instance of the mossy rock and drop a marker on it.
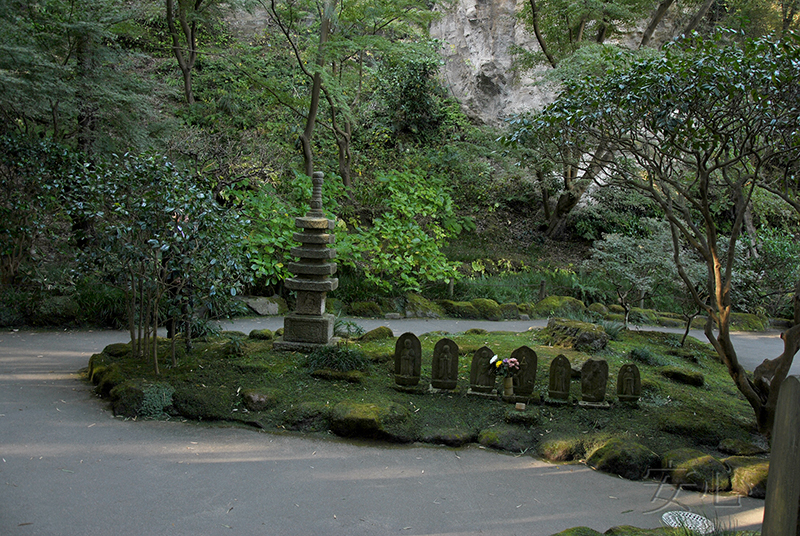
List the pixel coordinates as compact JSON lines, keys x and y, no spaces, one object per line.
{"x":525,"y":309}
{"x":574,"y":334}
{"x":377,"y":334}
{"x":476,"y":331}
{"x":686,"y":424}
{"x":686,"y":377}
{"x":579,"y":531}
{"x":97,"y":364}
{"x":488,"y":309}
{"x":308,"y":417}
{"x":460,"y":309}
{"x":669,"y":322}
{"x":510,"y":311}
{"x":561,"y":449}
{"x":419,"y":307}
{"x":627,"y":530}
{"x":106,"y":378}
{"x":625,"y":458}
{"x":748,"y":475}
{"x":365,"y":309}
{"x":351,"y":376}
{"x":739,"y":447}
{"x":748,"y":322}
{"x":127,"y":398}
{"x":616,"y":309}
{"x":334,"y":306}
{"x":118,"y":349}
{"x":202,"y":403}
{"x":231,"y":334}
{"x":507,"y":437}
{"x":527,"y":417}
{"x":694,"y":469}
{"x":643,"y":316}
{"x":262,"y":334}
{"x":598,"y":308}
{"x":351,"y":419}
{"x":452,"y":437}
{"x":558,"y":305}
{"x":259,"y":399}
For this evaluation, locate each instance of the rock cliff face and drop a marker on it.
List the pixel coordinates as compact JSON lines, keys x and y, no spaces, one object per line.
{"x":478,"y":37}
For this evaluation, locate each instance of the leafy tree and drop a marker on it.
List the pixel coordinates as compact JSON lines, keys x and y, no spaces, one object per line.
{"x":697,"y":130}
{"x":634,"y":266}
{"x":161,"y":238}
{"x":401,"y":249}
{"x":62,"y":77}
{"x":335,"y":60}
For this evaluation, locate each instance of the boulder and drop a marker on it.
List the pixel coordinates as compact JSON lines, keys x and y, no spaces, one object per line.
{"x":739,"y":447}
{"x":379,"y":333}
{"x":574,"y":334}
{"x":262,"y":334}
{"x":419,"y":307}
{"x":255,"y":400}
{"x":488,"y":309}
{"x":267,"y":306}
{"x":558,"y":305}
{"x":694,"y":469}
{"x":748,"y":475}
{"x":625,"y":458}
{"x":686,"y":377}
{"x":507,"y":437}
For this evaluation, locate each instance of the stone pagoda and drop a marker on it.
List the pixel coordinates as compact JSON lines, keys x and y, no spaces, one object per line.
{"x":309,"y":326}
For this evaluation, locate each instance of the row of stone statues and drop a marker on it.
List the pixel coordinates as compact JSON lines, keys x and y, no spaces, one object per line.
{"x":483,"y":373}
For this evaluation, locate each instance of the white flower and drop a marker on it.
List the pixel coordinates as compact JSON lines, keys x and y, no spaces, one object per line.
{"x":493,"y":359}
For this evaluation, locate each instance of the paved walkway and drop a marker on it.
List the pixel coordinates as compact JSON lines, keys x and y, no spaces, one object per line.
{"x":68,"y":467}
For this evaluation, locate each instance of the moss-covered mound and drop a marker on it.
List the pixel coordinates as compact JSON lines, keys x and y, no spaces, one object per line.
{"x":510,"y":311}
{"x":749,"y":322}
{"x":460,"y":309}
{"x":748,"y":475}
{"x":686,"y":377}
{"x":377,"y":334}
{"x":561,"y":449}
{"x":625,"y":458}
{"x":580,"y":336}
{"x":558,"y":306}
{"x":419,"y":307}
{"x":693,"y":469}
{"x":262,"y":334}
{"x":488,"y":309}
{"x":351,"y":419}
{"x":365,"y":309}
{"x":508,"y":438}
{"x":622,"y":530}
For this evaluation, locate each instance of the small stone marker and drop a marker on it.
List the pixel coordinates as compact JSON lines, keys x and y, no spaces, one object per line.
{"x":444,"y":368}
{"x":594,"y":378}
{"x":560,"y":375}
{"x":525,"y":379}
{"x":629,"y":383}
{"x":407,"y":360}
{"x":482,"y":376}
{"x":782,"y":505}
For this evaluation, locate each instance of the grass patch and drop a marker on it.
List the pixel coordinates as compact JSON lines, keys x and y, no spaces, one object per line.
{"x":211,"y":383}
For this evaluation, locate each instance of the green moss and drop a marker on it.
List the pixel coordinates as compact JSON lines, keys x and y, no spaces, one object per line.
{"x":117,"y":350}
{"x":106,"y":378}
{"x":488,"y":309}
{"x":508,"y":438}
{"x":625,"y":458}
{"x":748,"y":475}
{"x":598,"y":308}
{"x":695,"y":379}
{"x":262,"y":334}
{"x":579,"y":531}
{"x":259,"y":399}
{"x":682,"y":422}
{"x":202,"y":402}
{"x":365,"y":309}
{"x":558,"y":306}
{"x":693,"y":469}
{"x":377,"y":334}
{"x":748,"y":322}
{"x":419,"y":307}
{"x":460,"y":309}
{"x":561,"y":449}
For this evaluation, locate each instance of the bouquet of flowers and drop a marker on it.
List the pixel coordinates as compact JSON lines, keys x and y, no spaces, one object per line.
{"x":505,"y":367}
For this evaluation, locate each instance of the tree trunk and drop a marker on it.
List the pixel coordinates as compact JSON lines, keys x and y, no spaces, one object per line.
{"x":658,"y":16}
{"x":316,"y":87}
{"x":537,"y":32}
{"x":698,"y":17}
{"x":186,"y":60}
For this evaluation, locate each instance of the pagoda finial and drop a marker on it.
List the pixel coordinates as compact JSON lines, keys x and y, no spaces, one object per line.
{"x":316,"y":194}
